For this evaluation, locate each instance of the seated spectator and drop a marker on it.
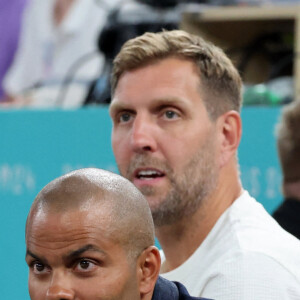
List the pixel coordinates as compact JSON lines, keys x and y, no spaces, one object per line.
{"x":90,"y":235}
{"x":58,"y":42}
{"x":288,"y":143}
{"x":10,"y":22}
{"x":176,"y":102}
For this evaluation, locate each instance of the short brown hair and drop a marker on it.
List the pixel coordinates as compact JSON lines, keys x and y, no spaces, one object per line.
{"x":220,"y":80}
{"x":288,"y":142}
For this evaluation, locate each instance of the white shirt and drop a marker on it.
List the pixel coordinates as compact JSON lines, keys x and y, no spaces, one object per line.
{"x":247,"y":255}
{"x":46,"y":52}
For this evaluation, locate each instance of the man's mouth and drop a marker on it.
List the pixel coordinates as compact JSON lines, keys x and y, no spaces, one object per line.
{"x":148,"y":174}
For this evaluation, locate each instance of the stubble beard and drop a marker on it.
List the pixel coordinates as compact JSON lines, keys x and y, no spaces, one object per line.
{"x":187,"y":192}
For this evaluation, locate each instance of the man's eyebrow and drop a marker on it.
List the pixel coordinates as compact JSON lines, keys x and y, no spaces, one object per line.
{"x":163,"y":101}
{"x":29,"y":253}
{"x":115,"y":107}
{"x":78,"y":252}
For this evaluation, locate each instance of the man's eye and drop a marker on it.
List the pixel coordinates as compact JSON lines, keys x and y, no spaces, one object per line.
{"x":170,"y":114}
{"x":124,"y":117}
{"x":85,"y":265}
{"x":39,"y":268}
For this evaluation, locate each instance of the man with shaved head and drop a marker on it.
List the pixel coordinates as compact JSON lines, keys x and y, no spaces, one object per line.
{"x":90,"y":235}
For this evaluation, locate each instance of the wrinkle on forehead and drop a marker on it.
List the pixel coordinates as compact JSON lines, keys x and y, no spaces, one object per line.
{"x":52,"y":230}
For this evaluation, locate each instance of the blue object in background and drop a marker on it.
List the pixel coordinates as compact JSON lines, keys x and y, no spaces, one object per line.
{"x":38,"y":146}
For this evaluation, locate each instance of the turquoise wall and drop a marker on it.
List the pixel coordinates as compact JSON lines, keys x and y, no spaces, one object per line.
{"x":38,"y":146}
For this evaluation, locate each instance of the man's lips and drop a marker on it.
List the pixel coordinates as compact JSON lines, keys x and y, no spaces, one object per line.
{"x":147,"y":174}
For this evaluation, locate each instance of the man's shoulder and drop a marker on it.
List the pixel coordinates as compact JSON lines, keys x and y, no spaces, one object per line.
{"x":250,"y":228}
{"x":258,"y":235}
{"x":255,"y":238}
{"x":246,"y":246}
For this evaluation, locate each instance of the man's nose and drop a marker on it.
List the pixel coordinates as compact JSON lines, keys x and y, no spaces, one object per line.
{"x":60,"y":287}
{"x":143,"y":136}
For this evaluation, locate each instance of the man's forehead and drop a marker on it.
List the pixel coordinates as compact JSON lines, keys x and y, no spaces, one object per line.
{"x":89,"y":213}
{"x":47,"y":225}
{"x":169,"y":70}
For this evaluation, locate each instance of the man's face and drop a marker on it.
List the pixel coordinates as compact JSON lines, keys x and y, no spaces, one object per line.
{"x":163,"y":138}
{"x":72,"y":255}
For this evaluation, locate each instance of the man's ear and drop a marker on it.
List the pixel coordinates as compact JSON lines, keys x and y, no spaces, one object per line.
{"x":230,"y":129}
{"x":148,"y":269}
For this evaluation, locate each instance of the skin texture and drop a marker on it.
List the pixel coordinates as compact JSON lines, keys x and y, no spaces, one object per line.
{"x":161,"y":125}
{"x":175,"y":150}
{"x":77,"y":251}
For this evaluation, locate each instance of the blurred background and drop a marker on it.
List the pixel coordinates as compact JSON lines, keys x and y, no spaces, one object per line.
{"x":55,"y":61}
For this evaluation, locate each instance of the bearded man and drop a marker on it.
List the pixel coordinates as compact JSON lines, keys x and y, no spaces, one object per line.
{"x":175,"y":107}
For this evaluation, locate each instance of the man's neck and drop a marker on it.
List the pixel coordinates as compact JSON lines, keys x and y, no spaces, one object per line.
{"x":179,"y":241}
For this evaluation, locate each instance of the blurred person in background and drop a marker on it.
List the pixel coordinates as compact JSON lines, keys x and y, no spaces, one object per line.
{"x":58,"y":49}
{"x":288,"y":144}
{"x":11,"y":13}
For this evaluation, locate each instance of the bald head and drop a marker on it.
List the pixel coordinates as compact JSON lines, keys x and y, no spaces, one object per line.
{"x":128,"y":217}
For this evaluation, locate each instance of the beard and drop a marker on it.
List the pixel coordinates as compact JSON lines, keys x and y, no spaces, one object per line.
{"x":187,"y":191}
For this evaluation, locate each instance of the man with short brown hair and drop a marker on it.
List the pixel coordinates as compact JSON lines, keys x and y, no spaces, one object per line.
{"x":175,"y":108}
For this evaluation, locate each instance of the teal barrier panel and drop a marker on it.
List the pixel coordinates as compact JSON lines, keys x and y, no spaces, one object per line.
{"x":38,"y":146}
{"x":260,"y":169}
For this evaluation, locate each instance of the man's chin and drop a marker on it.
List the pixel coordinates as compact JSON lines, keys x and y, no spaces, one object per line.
{"x":154,"y":202}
